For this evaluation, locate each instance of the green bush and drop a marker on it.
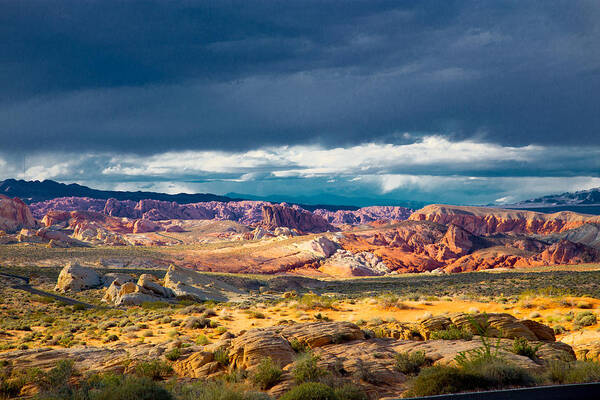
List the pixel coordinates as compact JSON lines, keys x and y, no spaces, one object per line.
{"x":312,"y":300}
{"x":127,"y":387}
{"x":411,"y":363}
{"x":451,"y":333}
{"x":573,"y":372}
{"x":217,"y":390}
{"x":57,"y":380}
{"x":173,"y":355}
{"x":11,"y":382}
{"x":298,"y":346}
{"x":306,"y":369}
{"x":155,"y":370}
{"x":310,"y":391}
{"x":221,"y":355}
{"x":266,"y":374}
{"x":350,"y":391}
{"x":586,"y":318}
{"x":443,"y":379}
{"x":197,"y":323}
{"x":522,"y":347}
{"x":479,"y":375}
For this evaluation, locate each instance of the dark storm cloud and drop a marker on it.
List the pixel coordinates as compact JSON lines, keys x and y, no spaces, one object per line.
{"x":147,"y":77}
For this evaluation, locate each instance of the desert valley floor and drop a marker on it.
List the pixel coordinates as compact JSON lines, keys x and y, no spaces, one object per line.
{"x":253,"y":300}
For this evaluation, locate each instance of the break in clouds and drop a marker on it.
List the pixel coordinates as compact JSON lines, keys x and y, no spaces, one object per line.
{"x":431,"y":168}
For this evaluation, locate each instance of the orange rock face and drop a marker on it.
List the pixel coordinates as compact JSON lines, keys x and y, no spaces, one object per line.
{"x":418,"y":246}
{"x":15,"y":215}
{"x":487,"y":220}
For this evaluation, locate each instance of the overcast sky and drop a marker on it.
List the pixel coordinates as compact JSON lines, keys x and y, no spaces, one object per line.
{"x":442,"y":101}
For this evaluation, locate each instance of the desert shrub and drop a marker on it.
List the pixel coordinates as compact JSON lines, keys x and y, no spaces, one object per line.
{"x":11,"y":382}
{"x":155,"y":370}
{"x":443,"y":379}
{"x":217,"y":390}
{"x":322,"y":317}
{"x":56,"y":380}
{"x":256,"y":314}
{"x":197,"y":323}
{"x":112,"y":338}
{"x":306,"y":369}
{"x":559,"y":329}
{"x":522,"y":347}
{"x":312,"y":301}
{"x":451,"y":333}
{"x":573,"y":372}
{"x":193,"y":309}
{"x":411,"y":363}
{"x":350,"y":391}
{"x":298,"y":346}
{"x":478,"y":375}
{"x":173,"y":355}
{"x":129,"y":387}
{"x":221,"y":355}
{"x":210,"y":313}
{"x":586,"y":305}
{"x":155,"y":305}
{"x":586,"y":318}
{"x":310,"y":391}
{"x":266,"y":374}
{"x":202,"y":340}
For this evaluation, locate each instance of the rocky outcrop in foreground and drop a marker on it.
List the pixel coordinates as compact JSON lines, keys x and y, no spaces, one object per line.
{"x":341,"y":348}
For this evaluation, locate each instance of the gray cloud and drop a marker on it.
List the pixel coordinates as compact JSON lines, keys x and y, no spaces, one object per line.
{"x":154,"y":76}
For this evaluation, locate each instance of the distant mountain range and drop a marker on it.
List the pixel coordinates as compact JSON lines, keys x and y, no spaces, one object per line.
{"x":583,"y":201}
{"x":39,"y":191}
{"x":35,"y":191}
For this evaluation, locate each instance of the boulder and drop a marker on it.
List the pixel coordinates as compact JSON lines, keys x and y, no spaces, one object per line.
{"x":112,"y":292}
{"x":318,"y":334}
{"x":73,"y":277}
{"x":118,"y":277}
{"x":149,"y":282}
{"x":500,"y":324}
{"x":541,"y":331}
{"x":194,"y":366}
{"x":189,"y":284}
{"x":250,"y":348}
{"x":135,"y":299}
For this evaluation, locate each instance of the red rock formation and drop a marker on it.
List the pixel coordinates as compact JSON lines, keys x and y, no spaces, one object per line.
{"x":566,"y":252}
{"x":457,"y":240}
{"x":423,"y":246}
{"x":76,"y":220}
{"x":14,"y":215}
{"x":487,"y":220}
{"x":365,"y":215}
{"x":293,"y":217}
{"x":144,"y":225}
